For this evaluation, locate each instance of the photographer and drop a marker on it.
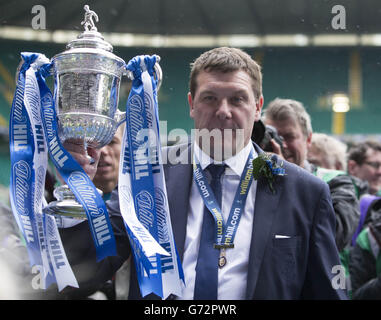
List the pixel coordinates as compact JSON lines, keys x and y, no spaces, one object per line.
{"x":293,"y":124}
{"x":266,"y":136}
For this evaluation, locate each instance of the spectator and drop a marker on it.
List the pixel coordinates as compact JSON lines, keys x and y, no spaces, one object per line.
{"x":106,"y":177}
{"x":327,"y":152}
{"x":293,"y":123}
{"x":364,"y":162}
{"x":365,"y":257}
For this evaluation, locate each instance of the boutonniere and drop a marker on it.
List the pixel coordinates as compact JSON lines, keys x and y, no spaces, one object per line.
{"x":265,"y":166}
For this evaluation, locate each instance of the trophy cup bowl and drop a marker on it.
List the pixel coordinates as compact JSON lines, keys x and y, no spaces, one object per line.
{"x":87,"y":79}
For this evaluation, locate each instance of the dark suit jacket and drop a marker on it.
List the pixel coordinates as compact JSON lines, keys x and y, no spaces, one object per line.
{"x":299,"y":267}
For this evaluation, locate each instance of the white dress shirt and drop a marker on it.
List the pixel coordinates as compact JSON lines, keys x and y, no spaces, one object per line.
{"x":232,"y":278}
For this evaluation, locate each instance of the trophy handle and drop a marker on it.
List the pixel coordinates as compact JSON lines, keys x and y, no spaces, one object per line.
{"x":158,"y":73}
{"x":120,"y":116}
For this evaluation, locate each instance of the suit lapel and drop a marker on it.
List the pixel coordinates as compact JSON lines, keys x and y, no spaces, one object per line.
{"x":266,"y":204}
{"x":178,"y":181}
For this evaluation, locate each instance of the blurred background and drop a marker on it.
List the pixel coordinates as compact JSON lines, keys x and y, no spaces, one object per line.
{"x":326,"y":54}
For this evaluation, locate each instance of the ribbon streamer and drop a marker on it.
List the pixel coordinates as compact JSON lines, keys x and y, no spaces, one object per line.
{"x":29,"y":162}
{"x":142,"y":192}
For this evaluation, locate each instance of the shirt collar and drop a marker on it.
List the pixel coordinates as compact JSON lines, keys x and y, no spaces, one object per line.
{"x":236,"y":163}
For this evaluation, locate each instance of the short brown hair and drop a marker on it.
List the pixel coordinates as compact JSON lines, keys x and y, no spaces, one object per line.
{"x":284,"y":109}
{"x":357,"y":153}
{"x":225,"y":59}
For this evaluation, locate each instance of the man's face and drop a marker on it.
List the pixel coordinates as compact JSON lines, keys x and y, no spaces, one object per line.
{"x":318,"y":158}
{"x":369,"y":171}
{"x":106,"y":177}
{"x":295,"y":144}
{"x":225,"y":102}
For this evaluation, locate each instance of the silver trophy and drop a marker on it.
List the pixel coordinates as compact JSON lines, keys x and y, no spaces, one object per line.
{"x":87,"y":80}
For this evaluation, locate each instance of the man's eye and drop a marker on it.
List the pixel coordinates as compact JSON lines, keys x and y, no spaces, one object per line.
{"x":209,"y":98}
{"x":288,"y":138}
{"x":237,"y":100}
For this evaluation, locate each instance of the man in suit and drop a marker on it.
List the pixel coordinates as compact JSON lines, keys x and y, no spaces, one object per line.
{"x":284,"y":246}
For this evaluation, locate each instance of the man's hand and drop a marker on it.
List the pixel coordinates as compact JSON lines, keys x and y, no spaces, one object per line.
{"x":276,"y":148}
{"x":88,"y":161}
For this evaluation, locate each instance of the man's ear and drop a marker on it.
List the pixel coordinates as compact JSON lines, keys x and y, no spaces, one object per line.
{"x":339,"y":166}
{"x":258,"y":108}
{"x":190,"y":103}
{"x":352,"y":165}
{"x":309,"y":140}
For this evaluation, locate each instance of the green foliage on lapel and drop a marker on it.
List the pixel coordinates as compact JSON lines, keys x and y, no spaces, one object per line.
{"x":264,"y":166}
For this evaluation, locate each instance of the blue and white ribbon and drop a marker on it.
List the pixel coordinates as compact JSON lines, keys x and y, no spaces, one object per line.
{"x":22,"y":149}
{"x":29,"y":162}
{"x":142,"y":192}
{"x":32,"y":102}
{"x":61,"y":267}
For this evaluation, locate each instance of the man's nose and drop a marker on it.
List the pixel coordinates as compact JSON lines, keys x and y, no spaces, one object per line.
{"x":223,"y":110}
{"x":104,"y":150}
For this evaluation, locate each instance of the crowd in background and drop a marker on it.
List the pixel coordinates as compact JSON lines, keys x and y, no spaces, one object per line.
{"x":354,"y":179}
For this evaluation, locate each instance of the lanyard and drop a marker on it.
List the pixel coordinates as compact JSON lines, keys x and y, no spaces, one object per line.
{"x":225,"y":234}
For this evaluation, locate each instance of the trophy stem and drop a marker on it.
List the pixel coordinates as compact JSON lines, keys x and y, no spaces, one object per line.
{"x":91,"y":159}
{"x":66,"y":204}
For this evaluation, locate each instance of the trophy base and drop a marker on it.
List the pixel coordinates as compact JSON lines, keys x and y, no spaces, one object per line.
{"x":66,"y":208}
{"x":66,"y":204}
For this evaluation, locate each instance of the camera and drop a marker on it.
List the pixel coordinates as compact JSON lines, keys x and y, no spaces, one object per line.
{"x":262,"y":134}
